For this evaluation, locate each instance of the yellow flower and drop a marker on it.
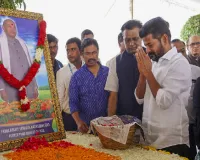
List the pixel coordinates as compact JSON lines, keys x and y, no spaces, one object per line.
{"x":23,"y":114}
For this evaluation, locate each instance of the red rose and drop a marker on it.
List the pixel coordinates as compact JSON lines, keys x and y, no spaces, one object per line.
{"x":22,"y":93}
{"x":25,"y":107}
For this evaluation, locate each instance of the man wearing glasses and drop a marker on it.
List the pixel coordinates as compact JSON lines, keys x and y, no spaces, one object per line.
{"x":123,"y":74}
{"x":193,"y":46}
{"x":53,"y":48}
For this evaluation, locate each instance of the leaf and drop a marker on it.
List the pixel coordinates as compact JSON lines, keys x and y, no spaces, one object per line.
{"x":12,"y":4}
{"x":24,"y":4}
{"x":191,"y":27}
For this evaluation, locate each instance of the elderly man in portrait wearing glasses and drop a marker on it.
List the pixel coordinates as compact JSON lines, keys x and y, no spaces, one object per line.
{"x":16,"y":58}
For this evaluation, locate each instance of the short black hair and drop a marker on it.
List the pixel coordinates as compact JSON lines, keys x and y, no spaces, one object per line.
{"x":86,"y":32}
{"x":157,"y":27}
{"x":51,"y":38}
{"x":87,"y":42}
{"x":177,"y":40}
{"x":74,"y":40}
{"x":120,"y":38}
{"x":131,"y":24}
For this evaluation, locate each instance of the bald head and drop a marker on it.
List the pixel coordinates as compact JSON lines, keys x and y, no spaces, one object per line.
{"x":194,"y":45}
{"x":9,"y":28}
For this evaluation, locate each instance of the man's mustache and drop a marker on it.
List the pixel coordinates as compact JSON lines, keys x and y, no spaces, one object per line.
{"x":92,"y":60}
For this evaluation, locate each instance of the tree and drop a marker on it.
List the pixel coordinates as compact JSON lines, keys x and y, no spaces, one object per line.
{"x":191,"y":27}
{"x":12,"y":4}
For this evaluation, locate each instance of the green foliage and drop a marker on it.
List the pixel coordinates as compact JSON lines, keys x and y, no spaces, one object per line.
{"x":12,"y":4}
{"x":191,"y":27}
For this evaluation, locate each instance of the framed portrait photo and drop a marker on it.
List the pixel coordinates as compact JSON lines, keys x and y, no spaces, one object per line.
{"x":19,"y":36}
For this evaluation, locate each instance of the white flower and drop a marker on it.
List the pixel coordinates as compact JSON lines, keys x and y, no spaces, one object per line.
{"x":133,"y":152}
{"x":21,"y":88}
{"x":24,"y":101}
{"x":38,"y":56}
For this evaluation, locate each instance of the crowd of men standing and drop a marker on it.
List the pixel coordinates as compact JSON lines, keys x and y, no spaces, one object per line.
{"x":158,"y":83}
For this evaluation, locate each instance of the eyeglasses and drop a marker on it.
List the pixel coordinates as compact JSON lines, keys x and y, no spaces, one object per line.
{"x":128,"y":40}
{"x":195,"y":43}
{"x":90,"y":53}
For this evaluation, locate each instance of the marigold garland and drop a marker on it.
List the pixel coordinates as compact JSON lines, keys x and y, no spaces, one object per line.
{"x":135,"y":152}
{"x":40,"y":149}
{"x":21,"y":85}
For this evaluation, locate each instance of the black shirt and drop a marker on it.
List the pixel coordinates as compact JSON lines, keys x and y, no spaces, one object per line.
{"x":128,"y":75}
{"x":57,"y":65}
{"x":196,"y":105}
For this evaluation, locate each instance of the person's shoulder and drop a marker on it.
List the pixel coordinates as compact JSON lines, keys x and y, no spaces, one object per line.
{"x":60,"y":63}
{"x":79,"y":72}
{"x":112,"y":61}
{"x":114,"y":58}
{"x":198,"y":80}
{"x":197,"y":83}
{"x":62,"y":70}
{"x":179,"y":58}
{"x":105,"y":67}
{"x":62,"y":73}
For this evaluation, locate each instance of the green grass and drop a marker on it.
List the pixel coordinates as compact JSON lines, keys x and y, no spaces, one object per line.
{"x":44,"y":94}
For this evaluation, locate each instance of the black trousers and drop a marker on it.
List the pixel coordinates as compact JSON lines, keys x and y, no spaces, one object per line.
{"x":69,"y":123}
{"x":193,"y":150}
{"x":181,"y":149}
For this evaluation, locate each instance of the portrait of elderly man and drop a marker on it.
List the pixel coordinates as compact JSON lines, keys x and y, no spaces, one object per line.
{"x":15,"y":56}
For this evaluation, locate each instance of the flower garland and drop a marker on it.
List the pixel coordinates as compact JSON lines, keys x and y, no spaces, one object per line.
{"x":21,"y":85}
{"x":38,"y":148}
{"x":41,"y":149}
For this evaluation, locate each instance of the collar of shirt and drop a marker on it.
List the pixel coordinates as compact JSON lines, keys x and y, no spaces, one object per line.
{"x":73,"y":66}
{"x":171,"y":53}
{"x":128,"y":54}
{"x":100,"y":68}
{"x":57,"y":65}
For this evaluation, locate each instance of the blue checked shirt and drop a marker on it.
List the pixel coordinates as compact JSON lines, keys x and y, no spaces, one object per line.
{"x":87,"y":95}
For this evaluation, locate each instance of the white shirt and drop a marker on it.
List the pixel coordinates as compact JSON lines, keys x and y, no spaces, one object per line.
{"x":165,"y":119}
{"x":110,"y":62}
{"x":63,"y":78}
{"x":195,"y":71}
{"x":112,"y":83}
